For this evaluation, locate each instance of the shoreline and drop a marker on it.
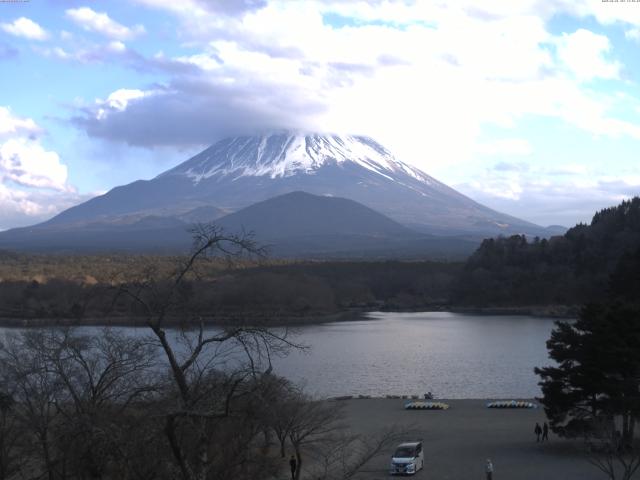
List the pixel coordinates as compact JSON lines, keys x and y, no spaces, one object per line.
{"x":413,"y":398}
{"x":548,"y":311}
{"x":280,"y":320}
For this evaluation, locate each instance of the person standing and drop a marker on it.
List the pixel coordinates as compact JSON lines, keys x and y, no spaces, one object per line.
{"x":545,"y":432}
{"x":538,"y":431}
{"x":294,"y":465}
{"x":489,"y":469}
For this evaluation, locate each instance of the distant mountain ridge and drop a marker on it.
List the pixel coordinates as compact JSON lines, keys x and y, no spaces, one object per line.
{"x":303,"y":214}
{"x":303,"y":225}
{"x":236,"y":173}
{"x":239,"y":171}
{"x":296,"y":224}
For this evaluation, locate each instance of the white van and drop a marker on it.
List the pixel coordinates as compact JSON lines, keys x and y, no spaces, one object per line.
{"x":407,"y":459}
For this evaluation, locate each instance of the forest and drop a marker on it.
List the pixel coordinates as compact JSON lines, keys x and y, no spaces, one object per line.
{"x":505,"y":272}
{"x":566,"y":270}
{"x":69,"y":289}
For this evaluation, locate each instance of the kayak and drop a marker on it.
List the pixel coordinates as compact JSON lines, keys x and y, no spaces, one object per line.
{"x":420,"y":405}
{"x":511,"y":404}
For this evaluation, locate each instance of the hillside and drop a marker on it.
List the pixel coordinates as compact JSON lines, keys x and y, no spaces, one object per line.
{"x":569,"y":269}
{"x":297,"y":224}
{"x":238,"y":172}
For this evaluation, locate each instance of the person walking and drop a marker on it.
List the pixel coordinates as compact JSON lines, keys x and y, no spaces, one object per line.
{"x":545,"y":432}
{"x":538,"y":431}
{"x":294,"y":465}
{"x":489,"y":469}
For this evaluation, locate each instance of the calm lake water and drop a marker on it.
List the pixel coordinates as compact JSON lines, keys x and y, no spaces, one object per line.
{"x":452,"y":355}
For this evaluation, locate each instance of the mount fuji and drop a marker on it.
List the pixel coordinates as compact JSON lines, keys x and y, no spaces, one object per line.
{"x":237,"y":172}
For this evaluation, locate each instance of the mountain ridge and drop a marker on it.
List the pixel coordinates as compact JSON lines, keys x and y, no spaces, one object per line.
{"x":239,"y":171}
{"x":296,"y":224}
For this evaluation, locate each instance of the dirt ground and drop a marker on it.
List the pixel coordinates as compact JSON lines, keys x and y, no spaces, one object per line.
{"x":458,"y":441}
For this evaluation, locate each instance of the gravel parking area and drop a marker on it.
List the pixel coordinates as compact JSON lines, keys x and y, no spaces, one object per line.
{"x":458,"y":441}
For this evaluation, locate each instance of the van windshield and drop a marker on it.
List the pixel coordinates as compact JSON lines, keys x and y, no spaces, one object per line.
{"x":404,"y":452}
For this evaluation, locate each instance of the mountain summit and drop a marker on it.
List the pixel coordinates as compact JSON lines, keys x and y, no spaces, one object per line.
{"x":287,"y":154}
{"x":239,"y":171}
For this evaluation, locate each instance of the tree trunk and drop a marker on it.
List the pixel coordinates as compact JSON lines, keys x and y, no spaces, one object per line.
{"x":169,"y":430}
{"x":47,"y":456}
{"x":266,"y":446}
{"x":203,"y":457}
{"x":178,"y":374}
{"x":296,"y":447}
{"x":627,"y":439}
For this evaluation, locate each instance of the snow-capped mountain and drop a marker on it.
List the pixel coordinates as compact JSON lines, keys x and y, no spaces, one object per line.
{"x":237,"y":172}
{"x":286,"y":155}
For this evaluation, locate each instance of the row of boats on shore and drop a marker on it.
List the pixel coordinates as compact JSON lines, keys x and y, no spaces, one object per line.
{"x":428,"y":405}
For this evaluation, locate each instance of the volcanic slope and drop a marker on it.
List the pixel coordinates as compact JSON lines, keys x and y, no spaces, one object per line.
{"x":239,"y":171}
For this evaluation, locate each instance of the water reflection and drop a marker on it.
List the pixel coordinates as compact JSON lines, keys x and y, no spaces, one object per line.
{"x":453,"y":355}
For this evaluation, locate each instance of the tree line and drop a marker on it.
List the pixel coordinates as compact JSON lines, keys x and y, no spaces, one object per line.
{"x":566,"y":270}
{"x":505,"y":272}
{"x":280,"y":292}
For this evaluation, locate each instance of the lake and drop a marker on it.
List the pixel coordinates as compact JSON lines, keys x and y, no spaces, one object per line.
{"x":450,"y":354}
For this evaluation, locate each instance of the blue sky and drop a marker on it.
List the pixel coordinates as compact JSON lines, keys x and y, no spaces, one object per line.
{"x":530,"y":107}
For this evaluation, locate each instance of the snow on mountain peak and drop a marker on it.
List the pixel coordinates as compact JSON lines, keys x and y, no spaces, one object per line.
{"x":286,"y":154}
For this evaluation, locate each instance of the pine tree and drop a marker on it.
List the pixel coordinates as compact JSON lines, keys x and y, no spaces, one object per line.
{"x":595,"y":388}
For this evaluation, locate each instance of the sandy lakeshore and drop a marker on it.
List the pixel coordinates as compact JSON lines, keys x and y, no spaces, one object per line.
{"x":459,"y":440}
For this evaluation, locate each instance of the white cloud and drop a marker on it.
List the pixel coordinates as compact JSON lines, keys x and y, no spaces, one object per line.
{"x":27,"y":163}
{"x":120,"y":98}
{"x":26,"y":207}
{"x":33,"y":180}
{"x":633,"y":34}
{"x":424,"y":78}
{"x":203,"y":61}
{"x":506,"y":147}
{"x":87,"y":53}
{"x":25,"y":27}
{"x":118,"y":101}
{"x":563,"y":195}
{"x":571,"y":169}
{"x":17,"y":202}
{"x":605,"y":13}
{"x":116,"y":46}
{"x":11,"y":124}
{"x":584,"y":54}
{"x":432,"y":88}
{"x":203,"y":8}
{"x":100,"y":22}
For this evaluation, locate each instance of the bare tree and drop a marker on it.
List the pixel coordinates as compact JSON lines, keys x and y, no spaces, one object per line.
{"x":312,"y":424}
{"x":185,"y":402}
{"x":72,"y":391}
{"x":36,"y":392}
{"x":102,"y":375}
{"x":346,"y":456}
{"x":10,"y":458}
{"x":610,"y":453}
{"x":207,"y":373}
{"x":279,"y":409}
